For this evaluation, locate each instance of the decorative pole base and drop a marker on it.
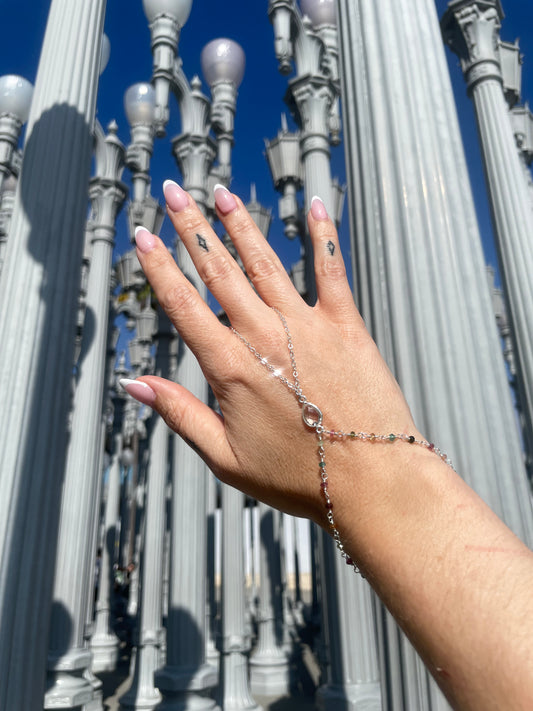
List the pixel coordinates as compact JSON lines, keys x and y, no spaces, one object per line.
{"x":69,"y":691}
{"x":104,"y":648}
{"x":270,"y":677}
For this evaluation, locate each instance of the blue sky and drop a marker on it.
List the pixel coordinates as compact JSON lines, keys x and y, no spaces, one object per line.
{"x":260,"y":102}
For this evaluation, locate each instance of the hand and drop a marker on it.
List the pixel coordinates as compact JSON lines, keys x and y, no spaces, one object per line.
{"x":260,"y":444}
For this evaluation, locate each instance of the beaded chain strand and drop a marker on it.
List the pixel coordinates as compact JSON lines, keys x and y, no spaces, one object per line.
{"x":312,"y":418}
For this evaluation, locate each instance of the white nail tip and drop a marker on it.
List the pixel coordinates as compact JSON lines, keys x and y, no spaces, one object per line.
{"x":219,"y":186}
{"x":138,"y":229}
{"x":124,"y":382}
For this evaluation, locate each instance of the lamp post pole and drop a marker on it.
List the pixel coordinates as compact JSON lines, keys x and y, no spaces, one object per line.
{"x":310,"y":42}
{"x":352,"y":678}
{"x":471,"y":30}
{"x":38,"y":303}
{"x":104,"y":642}
{"x":68,"y":656}
{"x":142,"y":693}
{"x":186,"y":677}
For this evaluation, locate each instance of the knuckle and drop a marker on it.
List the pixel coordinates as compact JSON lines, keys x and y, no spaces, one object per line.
{"x":240,"y":229}
{"x":332,"y":269}
{"x":191,"y":223}
{"x":176,"y":298}
{"x":215,"y":269}
{"x":158,"y":258}
{"x":261,"y":268}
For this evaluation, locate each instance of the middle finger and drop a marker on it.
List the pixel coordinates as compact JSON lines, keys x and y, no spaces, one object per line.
{"x":216,"y":267}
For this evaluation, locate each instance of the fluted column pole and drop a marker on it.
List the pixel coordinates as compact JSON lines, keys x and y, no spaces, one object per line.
{"x":142,"y":693}
{"x":269,"y":664}
{"x":38,"y":303}
{"x":186,"y":677}
{"x":419,"y":271}
{"x":234,"y":643}
{"x":471,"y":29}
{"x":104,"y":642}
{"x":68,"y":655}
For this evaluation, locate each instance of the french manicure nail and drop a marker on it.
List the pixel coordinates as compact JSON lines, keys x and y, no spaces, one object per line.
{"x":175,"y":196}
{"x":318,"y":209}
{"x":224,"y":200}
{"x":138,"y":390}
{"x":144,"y":239}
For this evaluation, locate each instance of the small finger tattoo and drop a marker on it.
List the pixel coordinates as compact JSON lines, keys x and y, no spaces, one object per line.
{"x":331,"y":248}
{"x":202,"y":242}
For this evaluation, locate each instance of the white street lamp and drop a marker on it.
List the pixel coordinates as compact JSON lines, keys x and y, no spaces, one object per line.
{"x":178,"y":10}
{"x":104,"y":53}
{"x":139,"y":104}
{"x":140,"y":108}
{"x":223,"y":63}
{"x":223,"y":60}
{"x":15,"y":96}
{"x":15,"y":101}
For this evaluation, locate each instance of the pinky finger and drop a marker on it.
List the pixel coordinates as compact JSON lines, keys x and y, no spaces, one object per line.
{"x":333,"y":290}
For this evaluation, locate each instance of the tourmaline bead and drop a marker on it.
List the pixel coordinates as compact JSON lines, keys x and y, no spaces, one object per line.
{"x":329,"y":505}
{"x":322,"y":465}
{"x":411,"y":439}
{"x":371,"y":436}
{"x":431,"y":447}
{"x":392,"y":437}
{"x":349,"y":561}
{"x":352,"y":435}
{"x":324,"y":485}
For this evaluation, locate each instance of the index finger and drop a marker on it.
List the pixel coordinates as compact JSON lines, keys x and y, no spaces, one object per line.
{"x":196,"y":323}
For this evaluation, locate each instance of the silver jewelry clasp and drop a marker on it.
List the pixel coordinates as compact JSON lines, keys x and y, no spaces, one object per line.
{"x":311,"y":415}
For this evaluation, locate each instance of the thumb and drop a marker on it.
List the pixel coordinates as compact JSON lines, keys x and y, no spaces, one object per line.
{"x":201,"y":427}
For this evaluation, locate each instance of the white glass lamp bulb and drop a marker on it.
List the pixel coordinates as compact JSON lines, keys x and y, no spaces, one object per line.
{"x":139,"y":104}
{"x":104,"y":53}
{"x":223,"y":60}
{"x":178,"y":9}
{"x":15,"y":96}
{"x":320,"y":12}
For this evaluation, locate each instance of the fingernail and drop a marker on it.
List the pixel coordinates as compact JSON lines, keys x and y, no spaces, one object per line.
{"x":144,"y":239}
{"x":138,"y":390}
{"x":175,"y":196}
{"x":318,"y":209}
{"x":224,"y":200}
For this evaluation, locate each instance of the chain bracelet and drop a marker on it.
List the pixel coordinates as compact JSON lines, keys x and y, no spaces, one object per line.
{"x":313,"y":419}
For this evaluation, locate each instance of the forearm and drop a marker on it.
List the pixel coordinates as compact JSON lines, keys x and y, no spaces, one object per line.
{"x":454,"y":577}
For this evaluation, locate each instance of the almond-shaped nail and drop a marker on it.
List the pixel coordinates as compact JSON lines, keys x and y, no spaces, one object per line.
{"x":224,"y":200}
{"x":138,"y":390}
{"x":318,"y":209}
{"x":175,"y":196}
{"x":144,"y":239}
